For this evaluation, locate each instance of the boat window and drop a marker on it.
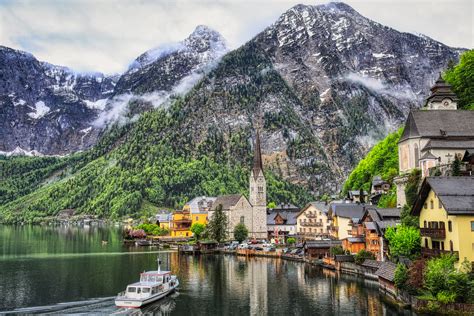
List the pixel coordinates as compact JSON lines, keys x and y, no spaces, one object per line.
{"x":132,"y":289}
{"x":146,"y":290}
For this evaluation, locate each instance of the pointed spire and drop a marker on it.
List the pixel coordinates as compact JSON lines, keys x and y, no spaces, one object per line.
{"x":257,"y":156}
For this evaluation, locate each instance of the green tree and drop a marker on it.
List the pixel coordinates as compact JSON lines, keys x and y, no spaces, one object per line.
{"x":217,"y":227}
{"x":456,"y":166}
{"x":411,"y":189}
{"x":401,"y":276}
{"x":407,"y":219}
{"x":241,"y":232}
{"x":446,"y":283}
{"x":363,"y":254}
{"x":291,"y":240}
{"x":197,"y":229}
{"x":461,"y":78}
{"x":336,"y":250}
{"x":404,"y":241}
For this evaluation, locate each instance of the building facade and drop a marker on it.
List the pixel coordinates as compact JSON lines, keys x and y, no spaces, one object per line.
{"x":312,"y":221}
{"x":445,"y":206}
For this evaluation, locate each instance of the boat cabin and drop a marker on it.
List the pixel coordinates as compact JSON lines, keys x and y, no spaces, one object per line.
{"x":150,"y":284}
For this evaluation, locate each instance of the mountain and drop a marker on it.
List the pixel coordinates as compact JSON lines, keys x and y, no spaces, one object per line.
{"x":322,"y":84}
{"x":48,"y":109}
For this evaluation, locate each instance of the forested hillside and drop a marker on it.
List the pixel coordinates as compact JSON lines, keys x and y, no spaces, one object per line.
{"x":461,"y":78}
{"x":147,"y":165}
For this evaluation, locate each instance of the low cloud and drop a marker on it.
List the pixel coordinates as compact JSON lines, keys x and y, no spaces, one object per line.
{"x":399,"y":92}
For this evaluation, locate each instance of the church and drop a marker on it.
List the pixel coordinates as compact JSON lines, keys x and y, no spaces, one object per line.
{"x":434,"y":136}
{"x":252,"y":211}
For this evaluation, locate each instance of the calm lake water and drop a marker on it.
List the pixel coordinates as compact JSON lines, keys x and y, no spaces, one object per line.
{"x":69,"y":270}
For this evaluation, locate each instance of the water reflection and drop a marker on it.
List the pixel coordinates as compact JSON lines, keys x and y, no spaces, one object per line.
{"x":209,"y":285}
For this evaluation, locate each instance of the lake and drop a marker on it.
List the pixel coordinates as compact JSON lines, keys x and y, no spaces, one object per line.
{"x":68,"y":269}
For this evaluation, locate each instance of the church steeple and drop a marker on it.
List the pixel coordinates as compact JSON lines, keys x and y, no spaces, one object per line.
{"x":442,"y":96}
{"x":257,"y":157}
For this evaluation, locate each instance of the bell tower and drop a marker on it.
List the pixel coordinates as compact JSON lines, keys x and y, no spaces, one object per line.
{"x":258,"y":185}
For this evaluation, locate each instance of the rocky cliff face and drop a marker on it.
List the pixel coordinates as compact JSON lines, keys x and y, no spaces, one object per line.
{"x":48,"y":109}
{"x":322,"y":83}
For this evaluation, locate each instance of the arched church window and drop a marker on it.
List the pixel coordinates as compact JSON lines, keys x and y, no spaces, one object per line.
{"x":242,"y":219}
{"x":417,"y":156}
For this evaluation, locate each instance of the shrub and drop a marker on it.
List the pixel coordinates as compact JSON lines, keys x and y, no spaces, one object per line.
{"x":362,"y":255}
{"x":336,"y":250}
{"x":291,"y":241}
{"x":401,"y":276}
{"x":240,"y":232}
{"x":198,"y":229}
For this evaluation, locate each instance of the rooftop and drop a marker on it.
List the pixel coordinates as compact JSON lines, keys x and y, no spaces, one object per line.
{"x":456,"y":194}
{"x":386,"y":270}
{"x":226,"y":201}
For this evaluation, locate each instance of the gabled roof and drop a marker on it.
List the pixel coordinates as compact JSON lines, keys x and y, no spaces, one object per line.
{"x":290,"y":218}
{"x":226,"y":201}
{"x":321,"y":206}
{"x":428,"y":155}
{"x":439,"y":124}
{"x":387,"y":213}
{"x":387,"y":271}
{"x":347,"y":210}
{"x":456,"y":194}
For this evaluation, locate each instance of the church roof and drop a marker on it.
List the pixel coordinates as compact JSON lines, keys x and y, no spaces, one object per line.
{"x":226,"y":201}
{"x":439,"y":124}
{"x":257,"y":157}
{"x":448,"y":144}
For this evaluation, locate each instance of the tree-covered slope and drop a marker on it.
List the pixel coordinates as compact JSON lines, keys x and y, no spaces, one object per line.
{"x":154,"y":163}
{"x":381,"y":160}
{"x":461,"y":78}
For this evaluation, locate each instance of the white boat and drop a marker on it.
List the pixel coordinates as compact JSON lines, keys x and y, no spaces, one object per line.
{"x":153,"y":286}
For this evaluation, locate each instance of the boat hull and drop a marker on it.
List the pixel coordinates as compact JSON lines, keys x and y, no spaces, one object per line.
{"x":124,"y":302}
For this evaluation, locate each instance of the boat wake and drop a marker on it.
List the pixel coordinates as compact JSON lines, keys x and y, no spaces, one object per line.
{"x":104,"y":305}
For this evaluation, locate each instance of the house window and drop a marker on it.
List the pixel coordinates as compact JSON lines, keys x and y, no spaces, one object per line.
{"x":451,"y":245}
{"x":197,"y":218}
{"x":242,"y":219}
{"x":439,"y":204}
{"x":442,"y":245}
{"x":424,"y":224}
{"x":426,"y":242}
{"x":472,"y":226}
{"x":431,"y":204}
{"x":450,"y":226}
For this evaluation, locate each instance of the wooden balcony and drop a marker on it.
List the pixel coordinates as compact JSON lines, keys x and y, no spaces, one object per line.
{"x":311,"y":224}
{"x":429,"y":253}
{"x":310,"y":215}
{"x":437,"y":233}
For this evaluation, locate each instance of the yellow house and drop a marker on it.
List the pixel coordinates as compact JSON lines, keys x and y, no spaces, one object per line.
{"x":164,"y":220}
{"x":445,"y":206}
{"x":195,"y":211}
{"x":342,"y":215}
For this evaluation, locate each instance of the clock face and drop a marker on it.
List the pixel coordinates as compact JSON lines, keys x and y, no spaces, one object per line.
{"x":446,"y":103}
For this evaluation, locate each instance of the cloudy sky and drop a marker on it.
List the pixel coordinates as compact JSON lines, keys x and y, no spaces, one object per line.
{"x":106,"y":35}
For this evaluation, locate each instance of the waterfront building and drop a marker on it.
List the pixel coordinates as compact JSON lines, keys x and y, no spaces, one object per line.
{"x":434,"y":136}
{"x":312,"y":221}
{"x":319,"y":249}
{"x":252,"y":211}
{"x":374,"y":222}
{"x":342,"y":216}
{"x":445,"y":206}
{"x":386,"y":276}
{"x":281,"y":225}
{"x":181,"y":224}
{"x":198,"y":209}
{"x":353,"y":244}
{"x":164,"y":219}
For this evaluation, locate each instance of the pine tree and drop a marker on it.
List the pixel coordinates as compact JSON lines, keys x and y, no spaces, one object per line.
{"x":217,"y":227}
{"x":456,"y":166}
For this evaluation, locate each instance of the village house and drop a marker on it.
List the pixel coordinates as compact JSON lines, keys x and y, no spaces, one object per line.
{"x":181,"y":224}
{"x":355,"y":196}
{"x":312,"y":221}
{"x":319,"y":249}
{"x":445,"y":206}
{"x":378,"y":188}
{"x":199,"y":208}
{"x":374,"y":222}
{"x":164,"y":219}
{"x":434,"y":136}
{"x":253,"y":211}
{"x":342,"y":216}
{"x":281,"y":225}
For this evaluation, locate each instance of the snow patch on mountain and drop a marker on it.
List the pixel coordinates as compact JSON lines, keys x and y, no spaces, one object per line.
{"x":40,"y":110}
{"x":96,"y":105}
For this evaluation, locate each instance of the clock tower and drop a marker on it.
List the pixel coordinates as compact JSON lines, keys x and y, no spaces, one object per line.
{"x":258,"y":193}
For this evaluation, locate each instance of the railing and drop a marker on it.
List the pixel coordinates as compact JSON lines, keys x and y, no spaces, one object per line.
{"x":439,"y":233}
{"x":310,"y":215}
{"x":427,"y":252}
{"x":311,"y":224}
{"x":334,"y":228}
{"x":465,"y":169}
